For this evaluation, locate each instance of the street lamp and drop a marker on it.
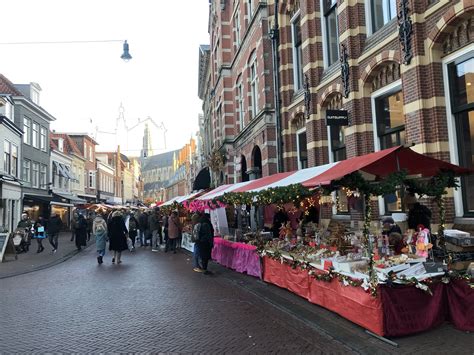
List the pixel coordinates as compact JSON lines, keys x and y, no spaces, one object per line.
{"x":126,"y":55}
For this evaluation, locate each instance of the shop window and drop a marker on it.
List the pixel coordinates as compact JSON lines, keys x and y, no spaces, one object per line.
{"x":462,"y":101}
{"x":342,"y":202}
{"x":297,"y":52}
{"x":6,"y":157}
{"x":26,"y":130}
{"x":381,"y":12}
{"x":302,"y":149}
{"x":332,"y":37}
{"x":35,"y":135}
{"x":338,"y":143}
{"x":26,"y":173}
{"x":35,"y":180}
{"x":253,"y":85}
{"x":390,"y":120}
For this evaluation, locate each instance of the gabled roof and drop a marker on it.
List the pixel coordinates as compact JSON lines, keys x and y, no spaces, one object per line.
{"x":159,"y":160}
{"x":7,"y":87}
{"x":69,"y":145}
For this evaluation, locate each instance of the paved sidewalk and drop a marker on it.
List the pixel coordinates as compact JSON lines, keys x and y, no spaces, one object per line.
{"x":32,"y":261}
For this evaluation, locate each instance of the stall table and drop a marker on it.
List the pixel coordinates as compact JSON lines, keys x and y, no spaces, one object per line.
{"x":394,"y":311}
{"x":240,"y":257}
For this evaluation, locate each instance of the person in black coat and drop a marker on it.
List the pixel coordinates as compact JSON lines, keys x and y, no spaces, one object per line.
{"x":80,"y":232}
{"x":54,"y":227}
{"x":118,"y":234}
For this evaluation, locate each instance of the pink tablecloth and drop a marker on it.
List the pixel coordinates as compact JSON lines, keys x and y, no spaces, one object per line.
{"x":240,"y":257}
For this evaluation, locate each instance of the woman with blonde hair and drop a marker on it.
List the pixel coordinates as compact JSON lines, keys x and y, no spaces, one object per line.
{"x":118,"y":233}
{"x":99,"y":230}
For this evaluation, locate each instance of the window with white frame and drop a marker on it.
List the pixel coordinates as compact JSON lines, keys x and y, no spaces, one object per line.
{"x":250,"y":9}
{"x":302,"y":148}
{"x":14,"y":162}
{"x":6,"y":157}
{"x":253,"y":86}
{"x":237,"y":29}
{"x":390,"y":119}
{"x":61,"y":144}
{"x":35,"y":180}
{"x":42,"y":177}
{"x":85,"y":150}
{"x":338,"y":143}
{"x":7,"y":110}
{"x":331,"y":40}
{"x":240,"y":104}
{"x":35,"y":135}
{"x":26,"y":130}
{"x":381,"y":12}
{"x":26,"y":173}
{"x":92,"y":179}
{"x":43,"y":139}
{"x":297,"y":52}
{"x":91,"y":156}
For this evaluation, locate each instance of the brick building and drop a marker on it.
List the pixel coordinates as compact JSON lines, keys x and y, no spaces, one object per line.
{"x":87,"y":146}
{"x":236,"y":84}
{"x":404,"y":80}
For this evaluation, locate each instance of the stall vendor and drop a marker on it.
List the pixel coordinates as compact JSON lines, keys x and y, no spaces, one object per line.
{"x":390,"y":227}
{"x":279,"y":219}
{"x":417,"y":214}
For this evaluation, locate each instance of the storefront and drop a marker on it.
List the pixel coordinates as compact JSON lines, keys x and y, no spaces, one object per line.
{"x":36,"y":205}
{"x":10,"y":204}
{"x":63,"y":205}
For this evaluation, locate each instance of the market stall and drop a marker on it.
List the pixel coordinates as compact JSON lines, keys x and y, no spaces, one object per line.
{"x":389,"y":282}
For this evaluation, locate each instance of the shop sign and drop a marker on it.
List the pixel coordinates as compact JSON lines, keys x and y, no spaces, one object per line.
{"x":337,"y":118}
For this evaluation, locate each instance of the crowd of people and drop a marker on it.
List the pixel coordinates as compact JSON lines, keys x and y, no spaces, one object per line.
{"x":125,"y":230}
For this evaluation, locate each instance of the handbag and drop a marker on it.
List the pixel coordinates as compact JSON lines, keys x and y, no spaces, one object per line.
{"x":40,"y":234}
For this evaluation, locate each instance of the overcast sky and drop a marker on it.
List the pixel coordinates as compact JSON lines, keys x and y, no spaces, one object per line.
{"x":83,"y":82}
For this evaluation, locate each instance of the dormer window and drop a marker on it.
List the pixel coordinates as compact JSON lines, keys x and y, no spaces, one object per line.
{"x":34,"y":94}
{"x":61,"y":145}
{"x":6,"y":109}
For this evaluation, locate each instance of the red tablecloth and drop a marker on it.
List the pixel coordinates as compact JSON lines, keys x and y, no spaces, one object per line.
{"x":461,"y":305}
{"x":240,"y":257}
{"x":396,"y":311}
{"x":352,"y":303}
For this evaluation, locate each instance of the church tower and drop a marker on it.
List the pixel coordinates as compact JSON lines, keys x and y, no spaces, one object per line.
{"x":147,"y":150}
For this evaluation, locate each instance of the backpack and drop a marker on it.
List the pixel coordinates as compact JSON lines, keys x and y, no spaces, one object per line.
{"x":132,"y":224}
{"x":100,"y":228}
{"x":205,"y":233}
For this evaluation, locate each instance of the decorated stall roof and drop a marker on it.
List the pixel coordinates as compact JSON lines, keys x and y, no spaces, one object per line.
{"x":379,"y":164}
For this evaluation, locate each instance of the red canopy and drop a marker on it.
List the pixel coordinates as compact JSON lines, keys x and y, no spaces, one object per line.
{"x":385,"y":162}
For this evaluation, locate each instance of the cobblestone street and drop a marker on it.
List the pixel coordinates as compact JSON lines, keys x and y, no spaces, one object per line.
{"x":154,"y":302}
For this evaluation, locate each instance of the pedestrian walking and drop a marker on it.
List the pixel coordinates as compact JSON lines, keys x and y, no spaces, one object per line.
{"x":205,"y":241}
{"x":143,"y":228}
{"x":164,"y":222}
{"x":81,"y":232}
{"x":117,"y":232}
{"x":90,"y":222}
{"x":75,"y":217}
{"x":132,"y":228}
{"x":174,"y":231}
{"x":40,"y":233}
{"x":54,"y":227}
{"x":195,"y":238}
{"x":99,"y":230}
{"x":154,"y":223}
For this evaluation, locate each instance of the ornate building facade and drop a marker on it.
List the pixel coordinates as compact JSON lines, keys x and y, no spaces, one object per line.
{"x":401,"y":70}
